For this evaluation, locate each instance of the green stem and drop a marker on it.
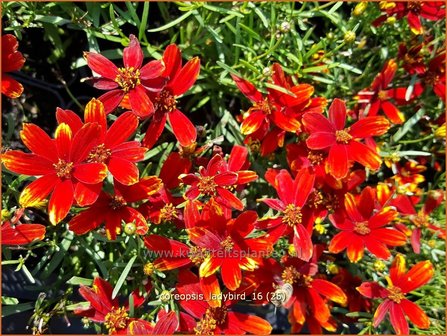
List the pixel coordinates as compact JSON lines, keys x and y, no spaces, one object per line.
{"x":430,"y":136}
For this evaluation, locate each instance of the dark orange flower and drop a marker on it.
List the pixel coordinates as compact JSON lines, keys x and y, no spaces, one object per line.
{"x":342,"y":141}
{"x":133,"y":79}
{"x":434,"y":76}
{"x":61,"y":165}
{"x":12,"y":60}
{"x":363,"y":227}
{"x":112,"y":148}
{"x":115,"y":209}
{"x":213,"y":181}
{"x":180,"y":79}
{"x":15,"y":233}
{"x":400,"y":283}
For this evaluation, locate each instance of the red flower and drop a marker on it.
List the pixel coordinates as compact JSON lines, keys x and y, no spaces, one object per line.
{"x":106,"y":309}
{"x":113,"y":209}
{"x":216,"y":319}
{"x":133,"y":79}
{"x":180,"y":80}
{"x":14,"y":233}
{"x":12,"y":60}
{"x":342,"y":142}
{"x":363,"y":227}
{"x":414,"y":10}
{"x":378,"y":95}
{"x":400,"y":283}
{"x":294,"y":217}
{"x":112,"y":149}
{"x":310,"y":292}
{"x":213,"y":181}
{"x":435,"y":75}
{"x":60,"y":163}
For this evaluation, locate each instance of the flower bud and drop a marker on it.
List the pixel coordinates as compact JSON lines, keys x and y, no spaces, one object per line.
{"x":359,"y":8}
{"x":148,"y":268}
{"x":349,"y":36}
{"x":130,"y":228}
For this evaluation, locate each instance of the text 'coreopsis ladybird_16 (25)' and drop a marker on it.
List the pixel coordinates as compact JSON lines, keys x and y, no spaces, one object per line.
{"x":60,"y":164}
{"x":133,"y":79}
{"x":343,"y":142}
{"x":395,"y":303}
{"x":12,"y":60}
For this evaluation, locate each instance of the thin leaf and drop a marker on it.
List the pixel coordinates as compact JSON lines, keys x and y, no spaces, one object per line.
{"x":172,"y":23}
{"x":123,"y":276}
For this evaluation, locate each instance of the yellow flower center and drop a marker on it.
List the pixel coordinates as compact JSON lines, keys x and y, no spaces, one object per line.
{"x":165,"y":102}
{"x":265,"y":106}
{"x":148,"y":268}
{"x":362,"y":228}
{"x":421,"y":219}
{"x":168,"y":213}
{"x":292,"y":215}
{"x":197,"y":254}
{"x":315,"y":158}
{"x":395,"y":294}
{"x":382,"y":95}
{"x":63,"y":168}
{"x":343,"y":136}
{"x":117,"y":202}
{"x":116,"y":319}
{"x":291,"y":276}
{"x":227,"y":244}
{"x":128,"y":78}
{"x":207,"y":186}
{"x":99,"y":154}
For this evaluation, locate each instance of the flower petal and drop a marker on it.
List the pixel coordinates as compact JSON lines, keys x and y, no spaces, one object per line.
{"x":27,"y":164}
{"x":209,"y":266}
{"x":184,"y":130}
{"x":415,"y":313}
{"x":64,"y":137}
{"x":61,"y":201}
{"x":21,"y":234}
{"x":225,"y":179}
{"x":87,"y":194}
{"x":377,"y":248}
{"x":372,"y":290}
{"x":229,"y":200}
{"x":337,"y":113}
{"x":123,"y":171}
{"x":302,"y":242}
{"x":133,"y":54}
{"x":320,"y":140}
{"x":364,"y":155}
{"x":122,"y":128}
{"x":186,"y":77}
{"x":247,"y":88}
{"x":382,"y":218}
{"x":417,"y":276}
{"x":10,"y":87}
{"x":340,"y":242}
{"x":172,"y":58}
{"x":140,"y":102}
{"x":381,"y":311}
{"x":231,"y":274}
{"x":392,"y":112}
{"x":101,"y":65}
{"x":90,"y":173}
{"x":249,"y":323}
{"x":86,"y":221}
{"x":84,"y":141}
{"x":369,"y":126}
{"x":154,"y":130}
{"x":167,"y":324}
{"x":389,"y":236}
{"x":253,"y":122}
{"x":356,"y":250}
{"x":112,"y":99}
{"x":304,"y":183}
{"x":152,"y":70}
{"x":94,"y":112}
{"x":398,"y":321}
{"x":316,"y":122}
{"x":338,"y":160}
{"x":70,"y":118}
{"x":318,"y":307}
{"x":38,"y":142}
{"x":329,"y":290}
{"x":38,"y":190}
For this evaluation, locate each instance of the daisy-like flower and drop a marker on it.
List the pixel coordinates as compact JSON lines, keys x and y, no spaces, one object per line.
{"x":113,"y":149}
{"x":213,"y":181}
{"x":12,"y":60}
{"x":400,"y":283}
{"x":61,"y":165}
{"x":133,"y":79}
{"x":15,"y":233}
{"x":180,"y":79}
{"x":294,"y":219}
{"x":363,"y":227}
{"x":115,"y":209}
{"x":342,"y":142}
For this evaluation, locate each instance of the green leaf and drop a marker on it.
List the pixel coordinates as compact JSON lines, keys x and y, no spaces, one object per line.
{"x":15,"y":309}
{"x":6,"y":300}
{"x":171,"y":24}
{"x":280,"y":89}
{"x":408,"y":125}
{"x":250,"y":32}
{"x":79,"y":305}
{"x":123,"y":276}
{"x":143,"y":20}
{"x":79,"y":281}
{"x":58,"y":257}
